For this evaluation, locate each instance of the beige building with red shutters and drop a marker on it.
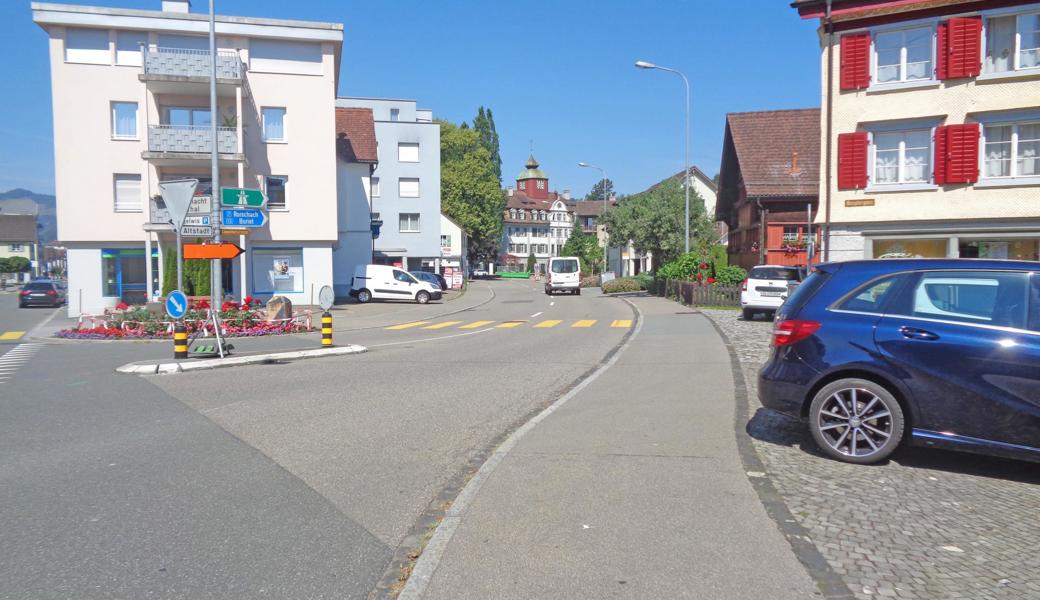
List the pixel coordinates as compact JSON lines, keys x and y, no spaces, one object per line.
{"x":930,"y":119}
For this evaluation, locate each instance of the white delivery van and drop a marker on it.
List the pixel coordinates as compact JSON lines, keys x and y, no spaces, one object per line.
{"x":564,"y":275}
{"x":384,"y":282}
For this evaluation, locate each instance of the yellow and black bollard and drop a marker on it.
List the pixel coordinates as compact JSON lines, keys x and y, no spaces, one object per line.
{"x":326,"y":329}
{"x":180,"y":341}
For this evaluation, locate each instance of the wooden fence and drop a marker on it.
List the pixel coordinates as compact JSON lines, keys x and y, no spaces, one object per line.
{"x":695,"y":294}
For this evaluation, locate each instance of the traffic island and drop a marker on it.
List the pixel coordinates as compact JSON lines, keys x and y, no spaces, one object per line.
{"x":169,"y":367}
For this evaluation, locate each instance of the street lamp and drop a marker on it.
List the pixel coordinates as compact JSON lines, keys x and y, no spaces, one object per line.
{"x":603,"y":213}
{"x":642,"y":64}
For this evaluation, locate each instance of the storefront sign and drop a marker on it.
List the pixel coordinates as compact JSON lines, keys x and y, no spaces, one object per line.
{"x":860,"y":202}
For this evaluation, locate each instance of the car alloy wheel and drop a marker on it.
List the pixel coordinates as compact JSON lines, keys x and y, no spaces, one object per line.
{"x":422,"y":297}
{"x":856,"y":420}
{"x":364,"y":296}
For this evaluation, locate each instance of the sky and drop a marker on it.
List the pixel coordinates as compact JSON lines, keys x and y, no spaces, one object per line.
{"x":557,"y":74}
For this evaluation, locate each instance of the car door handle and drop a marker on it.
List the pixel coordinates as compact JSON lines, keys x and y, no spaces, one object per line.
{"x":913,"y":333}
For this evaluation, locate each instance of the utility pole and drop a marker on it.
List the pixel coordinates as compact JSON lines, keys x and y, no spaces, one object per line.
{"x":217,"y":283}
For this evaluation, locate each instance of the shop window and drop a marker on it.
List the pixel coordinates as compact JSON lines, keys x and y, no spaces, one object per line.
{"x":911,"y":248}
{"x":1011,"y":249}
{"x":277,"y":270}
{"x":124,"y":274}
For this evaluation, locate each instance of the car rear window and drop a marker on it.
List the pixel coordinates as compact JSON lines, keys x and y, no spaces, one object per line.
{"x":774,"y":273}
{"x":39,"y":287}
{"x":871,"y":297}
{"x":804,"y":292}
{"x":564,"y":266}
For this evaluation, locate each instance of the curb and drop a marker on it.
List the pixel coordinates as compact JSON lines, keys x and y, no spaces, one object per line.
{"x":171,"y":367}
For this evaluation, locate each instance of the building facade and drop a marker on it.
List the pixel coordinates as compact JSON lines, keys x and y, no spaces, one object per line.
{"x":19,"y":239}
{"x":535,"y":221}
{"x":454,"y":252}
{"x":934,"y":148}
{"x":130,"y":94}
{"x":406,"y":184}
{"x":357,"y":160}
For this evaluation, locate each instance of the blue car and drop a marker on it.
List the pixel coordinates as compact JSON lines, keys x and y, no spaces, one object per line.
{"x":933,"y":352}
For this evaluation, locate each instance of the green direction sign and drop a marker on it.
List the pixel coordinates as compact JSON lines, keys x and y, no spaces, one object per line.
{"x":242,"y":197}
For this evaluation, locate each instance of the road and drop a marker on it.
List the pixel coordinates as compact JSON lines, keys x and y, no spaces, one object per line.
{"x":296,"y":480}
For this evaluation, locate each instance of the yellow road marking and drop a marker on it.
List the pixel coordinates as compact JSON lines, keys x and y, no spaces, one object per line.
{"x":407,"y":325}
{"x":584,"y":323}
{"x":510,"y":324}
{"x":476,"y":324}
{"x":622,"y":323}
{"x":11,"y":335}
{"x":547,"y":324}
{"x":442,"y":325}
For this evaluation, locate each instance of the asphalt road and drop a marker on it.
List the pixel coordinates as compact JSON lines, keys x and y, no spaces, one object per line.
{"x":296,"y":480}
{"x":16,"y":322}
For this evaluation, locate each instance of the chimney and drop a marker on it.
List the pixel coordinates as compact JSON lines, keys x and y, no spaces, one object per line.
{"x":794,"y":163}
{"x":509,"y":191}
{"x":176,"y":6}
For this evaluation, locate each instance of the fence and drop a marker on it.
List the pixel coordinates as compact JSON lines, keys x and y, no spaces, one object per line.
{"x":695,"y":294}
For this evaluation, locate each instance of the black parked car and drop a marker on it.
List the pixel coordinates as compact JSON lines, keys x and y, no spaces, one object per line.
{"x":433,"y":278}
{"x":41,"y":292}
{"x":942,"y":352}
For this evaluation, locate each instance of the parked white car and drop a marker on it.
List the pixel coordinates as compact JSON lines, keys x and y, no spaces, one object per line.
{"x":383,"y":282}
{"x":765,"y":289}
{"x":564,"y":275}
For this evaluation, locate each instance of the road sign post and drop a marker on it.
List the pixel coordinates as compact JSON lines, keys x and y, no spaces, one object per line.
{"x":177,"y":196}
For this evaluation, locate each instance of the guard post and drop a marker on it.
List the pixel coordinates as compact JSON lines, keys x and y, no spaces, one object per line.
{"x":326,"y":329}
{"x":180,"y":341}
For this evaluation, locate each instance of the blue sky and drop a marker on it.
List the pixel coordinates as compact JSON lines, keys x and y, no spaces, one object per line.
{"x":556,"y":72}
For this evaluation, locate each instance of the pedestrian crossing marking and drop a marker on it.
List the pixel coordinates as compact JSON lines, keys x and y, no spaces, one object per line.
{"x":584,"y":323}
{"x":11,"y":335}
{"x":547,"y":324}
{"x":407,"y":325}
{"x":442,"y":325}
{"x":510,"y":324}
{"x":476,"y":324}
{"x":622,"y":323}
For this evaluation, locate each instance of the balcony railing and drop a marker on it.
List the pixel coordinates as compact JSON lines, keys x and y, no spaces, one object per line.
{"x":185,"y":62}
{"x":183,"y":138}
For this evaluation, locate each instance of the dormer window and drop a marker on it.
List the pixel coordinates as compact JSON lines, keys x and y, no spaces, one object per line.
{"x":541,"y":184}
{"x":512,"y":213}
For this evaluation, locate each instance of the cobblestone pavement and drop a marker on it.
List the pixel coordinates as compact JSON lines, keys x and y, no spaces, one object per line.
{"x":925,"y":524}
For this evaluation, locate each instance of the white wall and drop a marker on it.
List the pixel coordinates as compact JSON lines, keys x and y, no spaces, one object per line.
{"x":353,"y":222}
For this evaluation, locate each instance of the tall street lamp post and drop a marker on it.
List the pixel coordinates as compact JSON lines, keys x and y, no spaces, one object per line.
{"x":603,"y":214}
{"x":642,"y":64}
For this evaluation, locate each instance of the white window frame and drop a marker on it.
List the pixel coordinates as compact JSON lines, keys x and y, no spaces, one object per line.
{"x":901,"y":186}
{"x":129,"y":206}
{"x":285,"y":187}
{"x":130,"y":57}
{"x":902,"y":81}
{"x":401,"y":224}
{"x":373,"y":187}
{"x":791,"y":238}
{"x":285,"y":126}
{"x":137,"y":120}
{"x":1016,"y":68}
{"x":540,"y":184}
{"x":395,"y":114}
{"x":400,"y":191}
{"x":1013,"y":178}
{"x":90,"y":59}
{"x":407,"y":146}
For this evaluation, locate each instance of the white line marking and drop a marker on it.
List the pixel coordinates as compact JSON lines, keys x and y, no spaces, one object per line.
{"x":535,"y":315}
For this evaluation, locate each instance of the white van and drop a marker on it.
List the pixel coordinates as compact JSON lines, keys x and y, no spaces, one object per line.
{"x":564,"y":275}
{"x":389,"y":283}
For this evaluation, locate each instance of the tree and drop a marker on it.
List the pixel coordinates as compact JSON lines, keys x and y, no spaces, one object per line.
{"x":471,"y":194}
{"x":484,"y":125}
{"x":596,"y":193}
{"x":17,"y":264}
{"x":585,"y":247}
{"x":653,"y":221}
{"x":530,"y":262}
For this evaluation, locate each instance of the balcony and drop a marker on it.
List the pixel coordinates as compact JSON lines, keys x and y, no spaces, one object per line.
{"x":178,"y":145}
{"x":187,"y":71}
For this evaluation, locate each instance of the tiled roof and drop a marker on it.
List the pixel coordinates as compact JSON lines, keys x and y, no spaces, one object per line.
{"x":356,"y":135}
{"x":17,"y":228}
{"x":778,"y":151}
{"x":592,"y":208}
{"x":522,"y":200}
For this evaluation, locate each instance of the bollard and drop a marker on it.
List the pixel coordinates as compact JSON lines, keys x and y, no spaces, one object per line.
{"x":326,"y":329}
{"x":180,"y":341}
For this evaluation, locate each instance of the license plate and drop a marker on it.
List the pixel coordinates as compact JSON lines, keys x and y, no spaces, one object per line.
{"x":772,"y":294}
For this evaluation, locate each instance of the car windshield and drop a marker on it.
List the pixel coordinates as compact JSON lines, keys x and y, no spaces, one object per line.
{"x":39,"y":287}
{"x":787,"y":273}
{"x":564,"y":266}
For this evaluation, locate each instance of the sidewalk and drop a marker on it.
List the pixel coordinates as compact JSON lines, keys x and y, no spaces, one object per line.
{"x":633,"y":488}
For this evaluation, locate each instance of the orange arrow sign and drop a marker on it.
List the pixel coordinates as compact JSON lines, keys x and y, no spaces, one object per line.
{"x":223,"y":250}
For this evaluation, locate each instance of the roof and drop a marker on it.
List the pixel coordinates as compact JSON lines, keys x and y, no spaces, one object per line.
{"x":356,"y":135}
{"x":591,"y":208}
{"x":777,"y":151}
{"x":848,"y":10}
{"x":17,"y":228}
{"x":19,"y":206}
{"x":695,"y":173}
{"x":531,"y":171}
{"x":521,"y":200}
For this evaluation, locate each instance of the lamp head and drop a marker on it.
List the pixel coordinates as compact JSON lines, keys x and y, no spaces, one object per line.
{"x":583,"y":164}
{"x":642,"y":64}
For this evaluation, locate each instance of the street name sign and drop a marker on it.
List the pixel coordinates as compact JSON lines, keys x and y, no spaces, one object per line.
{"x":176,"y":304}
{"x":196,"y":220}
{"x":177,"y":195}
{"x":201,"y":231}
{"x":212,"y":251}
{"x":234,"y":231}
{"x":243,"y":217}
{"x":242,"y":197}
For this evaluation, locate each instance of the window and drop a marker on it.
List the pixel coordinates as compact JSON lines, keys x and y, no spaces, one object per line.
{"x":791,"y":233}
{"x":273,"y":124}
{"x":522,"y":215}
{"x":445,"y":241}
{"x":1009,"y":249}
{"x":871,"y":297}
{"x":404,"y":277}
{"x":395,"y":114}
{"x":375,"y":216}
{"x":375,"y":187}
{"x":991,"y":298}
{"x":128,"y":193}
{"x":521,"y":248}
{"x":186,"y":117}
{"x":541,"y":184}
{"x":276,"y":185}
{"x":124,"y":273}
{"x":409,"y":222}
{"x":911,"y":248}
{"x":124,"y":120}
{"x":407,"y":152}
{"x":128,"y":47}
{"x":1011,"y":150}
{"x":512,"y":213}
{"x":1012,"y":43}
{"x":904,"y":55}
{"x":408,"y":187}
{"x":902,"y":157}
{"x":15,"y":247}
{"x":277,"y":270}
{"x":785,"y":273}
{"x":88,"y":46}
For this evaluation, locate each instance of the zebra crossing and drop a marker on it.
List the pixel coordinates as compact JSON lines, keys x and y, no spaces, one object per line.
{"x":513,"y":324}
{"x":12,"y":360}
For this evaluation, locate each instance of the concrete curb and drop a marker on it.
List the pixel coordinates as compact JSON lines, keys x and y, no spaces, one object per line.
{"x":167,"y":368}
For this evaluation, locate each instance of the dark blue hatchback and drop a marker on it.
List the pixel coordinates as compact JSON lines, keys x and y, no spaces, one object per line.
{"x":942,"y":352}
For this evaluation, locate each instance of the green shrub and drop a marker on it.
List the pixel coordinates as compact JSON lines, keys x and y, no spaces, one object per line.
{"x":645,"y":280}
{"x":590,"y":281}
{"x":682,"y":267}
{"x":624,"y":284}
{"x":731,"y":275}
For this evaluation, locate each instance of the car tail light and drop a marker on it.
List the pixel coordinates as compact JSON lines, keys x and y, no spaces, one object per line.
{"x":25,"y":292}
{"x":743,"y":285}
{"x":52,"y":293}
{"x":791,"y":332}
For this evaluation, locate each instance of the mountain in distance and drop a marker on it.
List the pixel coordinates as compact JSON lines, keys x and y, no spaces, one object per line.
{"x":18,"y":198}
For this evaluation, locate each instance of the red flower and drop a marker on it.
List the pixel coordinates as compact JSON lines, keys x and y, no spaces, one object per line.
{"x":700,"y":276}
{"x":711,"y":280}
{"x":202,"y":304}
{"x":247,"y":300}
{"x":703,"y":265}
{"x":122,"y":306}
{"x":228,"y":306}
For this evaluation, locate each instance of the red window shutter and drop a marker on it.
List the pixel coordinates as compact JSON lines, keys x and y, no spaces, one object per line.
{"x":855,"y":61}
{"x":852,"y":160}
{"x":962,"y":152}
{"x":961,"y":51}
{"x":942,"y":37}
{"x":939,"y":164}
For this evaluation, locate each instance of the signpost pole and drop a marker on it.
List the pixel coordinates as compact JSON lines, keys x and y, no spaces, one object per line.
{"x":180,"y":260}
{"x":217,"y":281}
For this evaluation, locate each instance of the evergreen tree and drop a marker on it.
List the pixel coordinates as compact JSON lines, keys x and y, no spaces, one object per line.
{"x":530,"y":262}
{"x":484,"y":125}
{"x":596,"y":193}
